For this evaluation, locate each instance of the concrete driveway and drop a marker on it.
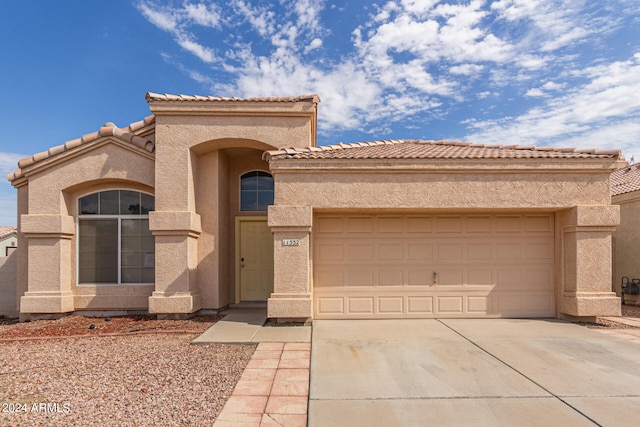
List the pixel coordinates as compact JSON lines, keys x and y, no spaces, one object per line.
{"x":471,"y":372}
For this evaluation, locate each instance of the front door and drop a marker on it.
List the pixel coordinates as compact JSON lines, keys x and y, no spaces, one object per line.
{"x":256,"y":261}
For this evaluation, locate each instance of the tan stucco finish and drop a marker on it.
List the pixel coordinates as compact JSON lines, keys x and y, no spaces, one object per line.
{"x":577,"y":192}
{"x":191,"y":154}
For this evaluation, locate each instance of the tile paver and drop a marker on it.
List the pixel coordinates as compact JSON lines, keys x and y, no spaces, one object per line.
{"x":273,"y":390}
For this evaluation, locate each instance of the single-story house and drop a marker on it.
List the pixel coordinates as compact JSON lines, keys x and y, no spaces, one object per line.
{"x":213,"y":201}
{"x":8,"y":239}
{"x":625,"y":192}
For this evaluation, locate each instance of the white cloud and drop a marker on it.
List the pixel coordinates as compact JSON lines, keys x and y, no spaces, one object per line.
{"x":315,"y":44}
{"x":466,"y":69}
{"x":415,"y":57}
{"x":606,"y":105}
{"x":205,"y":54}
{"x":176,"y":20}
{"x":201,"y":14}
{"x":9,"y":162}
{"x":536,"y":93}
{"x":261,"y":18}
{"x":165,"y":19}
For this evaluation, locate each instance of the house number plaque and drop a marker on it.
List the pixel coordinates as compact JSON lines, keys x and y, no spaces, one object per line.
{"x":290,"y":242}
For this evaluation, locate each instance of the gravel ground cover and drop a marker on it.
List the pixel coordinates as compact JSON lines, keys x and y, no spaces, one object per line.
{"x":631,"y":311}
{"x":80,"y":325}
{"x":134,"y":379}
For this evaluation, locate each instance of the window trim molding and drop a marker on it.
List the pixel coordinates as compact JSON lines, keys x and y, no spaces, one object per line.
{"x":96,"y":217}
{"x":240,"y":189}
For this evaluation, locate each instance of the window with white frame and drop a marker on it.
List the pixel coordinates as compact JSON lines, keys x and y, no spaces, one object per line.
{"x":115,"y":245}
{"x":256,"y":191}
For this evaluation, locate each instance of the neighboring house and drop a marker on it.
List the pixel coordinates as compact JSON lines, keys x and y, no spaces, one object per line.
{"x":8,"y":299}
{"x":625,"y":191}
{"x":214,"y":201}
{"x":8,"y":239}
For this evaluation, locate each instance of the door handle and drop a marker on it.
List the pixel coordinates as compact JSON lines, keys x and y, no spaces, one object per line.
{"x":241,"y":262}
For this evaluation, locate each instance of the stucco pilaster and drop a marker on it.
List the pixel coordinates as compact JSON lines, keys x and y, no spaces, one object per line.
{"x":587,"y":261}
{"x":291,"y":227}
{"x":176,"y":235}
{"x":49,"y":267}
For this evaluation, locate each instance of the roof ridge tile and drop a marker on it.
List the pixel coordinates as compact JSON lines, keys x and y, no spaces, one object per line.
{"x":125,"y":134}
{"x":152,"y":96}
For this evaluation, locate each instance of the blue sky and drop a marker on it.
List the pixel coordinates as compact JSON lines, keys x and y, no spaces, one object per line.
{"x":528,"y":72}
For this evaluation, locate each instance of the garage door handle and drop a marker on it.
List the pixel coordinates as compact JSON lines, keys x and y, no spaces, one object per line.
{"x":435,"y":277}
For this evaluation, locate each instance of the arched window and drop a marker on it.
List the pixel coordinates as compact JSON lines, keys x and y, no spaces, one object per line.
{"x":115,"y":245}
{"x":256,"y":191}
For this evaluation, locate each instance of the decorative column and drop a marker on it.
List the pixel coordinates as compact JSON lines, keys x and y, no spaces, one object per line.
{"x":291,"y":298}
{"x":587,"y":261}
{"x":49,"y":264}
{"x":176,"y":235}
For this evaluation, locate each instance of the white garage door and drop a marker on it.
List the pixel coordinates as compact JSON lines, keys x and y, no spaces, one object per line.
{"x":409,"y":266}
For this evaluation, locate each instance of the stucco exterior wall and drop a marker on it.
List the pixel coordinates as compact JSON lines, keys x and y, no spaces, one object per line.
{"x":441,"y":190}
{"x":579,"y":194}
{"x":627,"y":243}
{"x":47,"y":224}
{"x":188,"y":135}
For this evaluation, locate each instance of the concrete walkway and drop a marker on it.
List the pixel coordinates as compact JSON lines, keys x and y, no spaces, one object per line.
{"x":247,"y":325}
{"x":471,"y":372}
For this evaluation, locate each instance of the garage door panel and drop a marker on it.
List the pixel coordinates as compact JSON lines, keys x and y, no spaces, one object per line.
{"x":450,"y":251}
{"x":479,"y":251}
{"x":450,"y":304}
{"x":538,"y":224}
{"x":418,"y":225}
{"x":393,"y":224}
{"x":391,"y":305}
{"x":507,"y":224}
{"x":420,"y":251}
{"x":538,"y":251}
{"x":330,"y":252}
{"x":508,"y":251}
{"x":391,"y":252}
{"x":391,"y":277}
{"x":419,"y":305}
{"x":508,"y":278}
{"x":479,"y":277}
{"x":359,"y":277}
{"x":361,"y":305}
{"x":330,"y":225}
{"x":449,"y":277}
{"x":362,"y":252}
{"x":359,"y":225}
{"x":327,"y":306}
{"x":419,"y":277}
{"x":330,"y":277}
{"x":479,"y":224}
{"x":478,"y":305}
{"x":368,"y":266}
{"x":449,"y":224}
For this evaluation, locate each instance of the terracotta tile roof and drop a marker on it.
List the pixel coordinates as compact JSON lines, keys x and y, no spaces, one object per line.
{"x":126,"y":134}
{"x":625,"y":180}
{"x":418,"y":149}
{"x":6,"y":230}
{"x":194,"y":98}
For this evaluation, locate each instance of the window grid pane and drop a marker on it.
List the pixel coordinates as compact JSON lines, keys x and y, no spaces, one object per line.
{"x":118,"y":245}
{"x":256,"y":191}
{"x":98,"y":246}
